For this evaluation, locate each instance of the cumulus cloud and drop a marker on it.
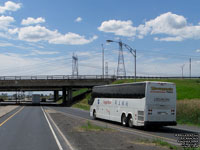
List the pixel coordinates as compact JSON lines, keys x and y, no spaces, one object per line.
{"x":198,"y":50}
{"x":40,"y":33}
{"x":79,"y":19}
{"x":5,"y":22}
{"x":31,"y":20}
{"x":72,"y":39}
{"x":10,"y":6}
{"x":118,"y":27}
{"x":175,"y":27}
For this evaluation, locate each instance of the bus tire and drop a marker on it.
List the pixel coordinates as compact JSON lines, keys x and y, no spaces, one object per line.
{"x":130,"y":121}
{"x":124,"y":120}
{"x":94,"y":114}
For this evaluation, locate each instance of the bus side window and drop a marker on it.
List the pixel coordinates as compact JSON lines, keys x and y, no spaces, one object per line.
{"x":127,"y":104}
{"x":122,"y":103}
{"x":119,"y":103}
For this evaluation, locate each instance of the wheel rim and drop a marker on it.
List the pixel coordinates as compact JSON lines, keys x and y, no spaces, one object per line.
{"x":124,"y":120}
{"x":130,"y":122}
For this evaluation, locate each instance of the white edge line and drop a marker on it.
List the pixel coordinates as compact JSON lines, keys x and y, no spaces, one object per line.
{"x":60,"y":132}
{"x":57,"y":141}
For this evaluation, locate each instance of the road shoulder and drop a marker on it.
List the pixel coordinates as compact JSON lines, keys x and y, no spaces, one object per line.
{"x":81,"y":139}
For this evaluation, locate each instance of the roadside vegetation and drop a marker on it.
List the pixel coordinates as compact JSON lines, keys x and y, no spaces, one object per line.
{"x":83,"y":104}
{"x":91,"y":127}
{"x":159,"y":142}
{"x":74,"y":94}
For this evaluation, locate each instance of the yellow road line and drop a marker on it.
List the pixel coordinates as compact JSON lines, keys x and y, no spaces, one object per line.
{"x":120,"y":128}
{"x":10,"y":117}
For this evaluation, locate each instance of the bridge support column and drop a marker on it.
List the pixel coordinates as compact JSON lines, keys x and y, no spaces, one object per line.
{"x":56,"y":95}
{"x":69,"y":96}
{"x":64,"y":96}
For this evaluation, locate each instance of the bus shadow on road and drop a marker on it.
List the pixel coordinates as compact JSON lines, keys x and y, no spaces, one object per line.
{"x":158,"y":129}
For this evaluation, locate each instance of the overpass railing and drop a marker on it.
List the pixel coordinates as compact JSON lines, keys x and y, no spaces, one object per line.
{"x":69,"y":77}
{"x":56,"y":77}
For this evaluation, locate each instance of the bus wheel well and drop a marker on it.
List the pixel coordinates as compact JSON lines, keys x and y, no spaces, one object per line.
{"x":129,"y":116}
{"x":94,"y":114}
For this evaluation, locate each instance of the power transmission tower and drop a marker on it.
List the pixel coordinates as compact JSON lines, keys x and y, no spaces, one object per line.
{"x":106,"y":69}
{"x":121,"y":71}
{"x":74,"y":65}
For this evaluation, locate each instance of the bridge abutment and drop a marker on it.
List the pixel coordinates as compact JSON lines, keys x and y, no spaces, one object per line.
{"x":56,"y":95}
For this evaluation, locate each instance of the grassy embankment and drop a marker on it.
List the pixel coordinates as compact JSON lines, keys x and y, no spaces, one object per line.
{"x":74,"y":94}
{"x":188,"y":96}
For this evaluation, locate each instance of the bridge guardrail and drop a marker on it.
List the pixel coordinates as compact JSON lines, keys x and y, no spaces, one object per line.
{"x":70,"y":77}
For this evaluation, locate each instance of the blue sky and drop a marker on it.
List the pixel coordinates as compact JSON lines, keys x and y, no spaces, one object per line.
{"x":39,"y":37}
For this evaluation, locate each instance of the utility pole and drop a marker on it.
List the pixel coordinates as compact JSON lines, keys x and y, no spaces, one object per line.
{"x":102,"y":60}
{"x":106,"y":69}
{"x":182,"y":66}
{"x":190,"y":63}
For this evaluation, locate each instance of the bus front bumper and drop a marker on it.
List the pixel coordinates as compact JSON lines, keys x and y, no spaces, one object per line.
{"x":161,"y":123}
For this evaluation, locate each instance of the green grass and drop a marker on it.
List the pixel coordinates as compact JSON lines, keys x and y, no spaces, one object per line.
{"x":159,"y":142}
{"x":83,"y":104}
{"x":74,"y":94}
{"x":91,"y":127}
{"x":78,"y":92}
{"x":188,"y":112}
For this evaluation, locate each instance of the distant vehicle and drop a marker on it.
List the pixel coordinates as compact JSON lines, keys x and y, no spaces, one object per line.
{"x":36,"y":99}
{"x":135,"y":104}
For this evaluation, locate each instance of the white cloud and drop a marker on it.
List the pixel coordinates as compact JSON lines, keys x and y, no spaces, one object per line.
{"x":198,"y":50}
{"x":79,"y":19}
{"x":174,"y":26}
{"x":10,"y":6}
{"x":5,"y":44}
{"x":31,"y":20}
{"x":118,"y":27}
{"x":169,"y":39}
{"x":5,"y":22}
{"x":37,"y":52}
{"x":40,"y":33}
{"x":72,"y":39}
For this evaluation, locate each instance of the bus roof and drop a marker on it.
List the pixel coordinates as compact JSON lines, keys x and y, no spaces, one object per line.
{"x":143,"y":82}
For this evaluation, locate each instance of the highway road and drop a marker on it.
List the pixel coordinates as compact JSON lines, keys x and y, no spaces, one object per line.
{"x":28,"y":127}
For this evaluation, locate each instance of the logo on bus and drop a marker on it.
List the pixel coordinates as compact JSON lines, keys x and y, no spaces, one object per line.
{"x":107,"y":102}
{"x":161,"y":90}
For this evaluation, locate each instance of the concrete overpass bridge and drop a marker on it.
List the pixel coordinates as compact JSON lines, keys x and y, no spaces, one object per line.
{"x":54,"y":83}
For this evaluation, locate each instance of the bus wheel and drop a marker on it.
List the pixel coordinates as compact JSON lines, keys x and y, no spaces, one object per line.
{"x":94,"y":115}
{"x":130,"y":121}
{"x":124,"y":120}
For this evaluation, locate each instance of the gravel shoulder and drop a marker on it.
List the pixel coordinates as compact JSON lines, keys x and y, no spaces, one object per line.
{"x":6,"y":109}
{"x":107,"y":139}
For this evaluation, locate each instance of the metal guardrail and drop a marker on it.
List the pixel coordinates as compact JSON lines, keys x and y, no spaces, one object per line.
{"x":69,"y":77}
{"x":55,"y":77}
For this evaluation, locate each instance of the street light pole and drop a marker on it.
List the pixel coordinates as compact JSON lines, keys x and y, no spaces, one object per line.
{"x":131,"y":50}
{"x":102,"y":60}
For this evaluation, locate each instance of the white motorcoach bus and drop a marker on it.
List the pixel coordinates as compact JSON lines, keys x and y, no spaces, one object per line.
{"x":135,"y":104}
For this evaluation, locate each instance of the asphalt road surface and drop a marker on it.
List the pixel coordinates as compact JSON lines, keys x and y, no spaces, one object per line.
{"x":26,"y":128}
